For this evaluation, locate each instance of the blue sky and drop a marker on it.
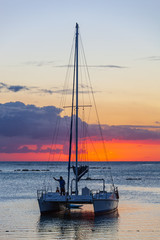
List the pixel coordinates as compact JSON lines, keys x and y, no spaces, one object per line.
{"x":36,"y":36}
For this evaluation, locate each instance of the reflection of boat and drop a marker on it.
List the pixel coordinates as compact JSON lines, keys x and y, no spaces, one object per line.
{"x":102,"y":201}
{"x":75,"y":206}
{"x":133,"y":178}
{"x":83,"y":225}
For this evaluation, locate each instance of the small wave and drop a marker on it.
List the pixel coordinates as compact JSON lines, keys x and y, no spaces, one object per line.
{"x":31,"y":170}
{"x":133,"y":178}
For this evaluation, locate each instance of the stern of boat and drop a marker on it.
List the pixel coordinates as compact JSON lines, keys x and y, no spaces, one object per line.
{"x":104,"y":202}
{"x":48,"y":201}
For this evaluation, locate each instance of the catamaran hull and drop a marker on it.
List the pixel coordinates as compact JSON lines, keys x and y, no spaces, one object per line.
{"x":50,"y":206}
{"x":103,"y":206}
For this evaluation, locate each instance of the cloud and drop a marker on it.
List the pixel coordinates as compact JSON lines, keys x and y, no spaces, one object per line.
{"x":151,"y":58}
{"x":133,"y":132}
{"x":157,"y":122}
{"x":47,"y":91}
{"x":52,"y":64}
{"x":19,"y":88}
{"x":154,"y":58}
{"x":125,"y":132}
{"x":13,"y":88}
{"x":107,"y":66}
{"x":93,"y":66}
{"x":36,"y":90}
{"x":40,"y":63}
{"x":18,"y":119}
{"x":23,"y":126}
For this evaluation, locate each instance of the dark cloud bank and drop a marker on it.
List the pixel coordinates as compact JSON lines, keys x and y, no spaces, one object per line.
{"x":22,"y":125}
{"x":12,"y":88}
{"x":19,"y":88}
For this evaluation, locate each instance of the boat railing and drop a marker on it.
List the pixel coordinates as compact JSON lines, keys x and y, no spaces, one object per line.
{"x":95,"y":191}
{"x":44,"y":191}
{"x":49,"y":188}
{"x":88,"y":179}
{"x":41,"y":193}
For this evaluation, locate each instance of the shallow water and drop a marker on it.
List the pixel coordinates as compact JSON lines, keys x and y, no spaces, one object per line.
{"x":138,"y":216}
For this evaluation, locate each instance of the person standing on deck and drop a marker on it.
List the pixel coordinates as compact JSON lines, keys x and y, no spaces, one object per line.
{"x":62,"y":184}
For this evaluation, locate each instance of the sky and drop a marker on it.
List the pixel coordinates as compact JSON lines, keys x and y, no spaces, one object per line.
{"x":121,"y":39}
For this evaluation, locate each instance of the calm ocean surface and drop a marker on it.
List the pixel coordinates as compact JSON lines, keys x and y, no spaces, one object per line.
{"x":138,"y":216}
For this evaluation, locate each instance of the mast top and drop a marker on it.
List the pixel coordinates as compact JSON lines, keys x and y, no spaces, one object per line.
{"x":77,"y":26}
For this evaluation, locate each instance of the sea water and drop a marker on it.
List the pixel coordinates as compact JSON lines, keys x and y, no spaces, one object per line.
{"x":138,"y":215}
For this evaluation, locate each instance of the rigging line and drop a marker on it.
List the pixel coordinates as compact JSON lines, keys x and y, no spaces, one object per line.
{"x":65,"y":89}
{"x":85,"y":70}
{"x":84,"y":136}
{"x":86,"y":86}
{"x":93,"y":145}
{"x":85,"y":146}
{"x":88,"y":94}
{"x":71,"y":126}
{"x":51,"y":148}
{"x":81,"y":77}
{"x":100,"y":129}
{"x":55,"y":134}
{"x":66,"y":79}
{"x":65,"y":119}
{"x":70,"y":64}
{"x":87,"y":91}
{"x":82,"y":94}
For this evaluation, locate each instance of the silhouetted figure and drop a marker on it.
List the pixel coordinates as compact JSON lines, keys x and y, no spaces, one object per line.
{"x":62,"y":184}
{"x":57,"y":190}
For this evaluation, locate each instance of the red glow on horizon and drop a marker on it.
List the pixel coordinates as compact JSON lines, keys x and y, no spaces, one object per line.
{"x":116,"y":151}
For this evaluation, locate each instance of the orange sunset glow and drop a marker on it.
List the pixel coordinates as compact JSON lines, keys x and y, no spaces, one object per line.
{"x":116,"y":151}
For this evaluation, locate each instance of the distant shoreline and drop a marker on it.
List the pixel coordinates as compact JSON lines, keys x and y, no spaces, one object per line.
{"x":114,"y":162}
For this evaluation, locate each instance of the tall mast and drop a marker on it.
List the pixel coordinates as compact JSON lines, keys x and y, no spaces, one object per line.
{"x":71,"y":125}
{"x":76,"y":51}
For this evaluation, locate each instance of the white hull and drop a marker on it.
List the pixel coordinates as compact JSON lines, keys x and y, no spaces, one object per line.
{"x":50,"y":206}
{"x":51,"y":202}
{"x":104,"y":206}
{"x":102,"y":203}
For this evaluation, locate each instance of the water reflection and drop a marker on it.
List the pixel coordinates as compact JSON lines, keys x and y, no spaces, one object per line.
{"x":78,"y":225}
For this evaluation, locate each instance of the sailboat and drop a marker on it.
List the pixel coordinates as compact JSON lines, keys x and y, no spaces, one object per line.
{"x":103,"y":201}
